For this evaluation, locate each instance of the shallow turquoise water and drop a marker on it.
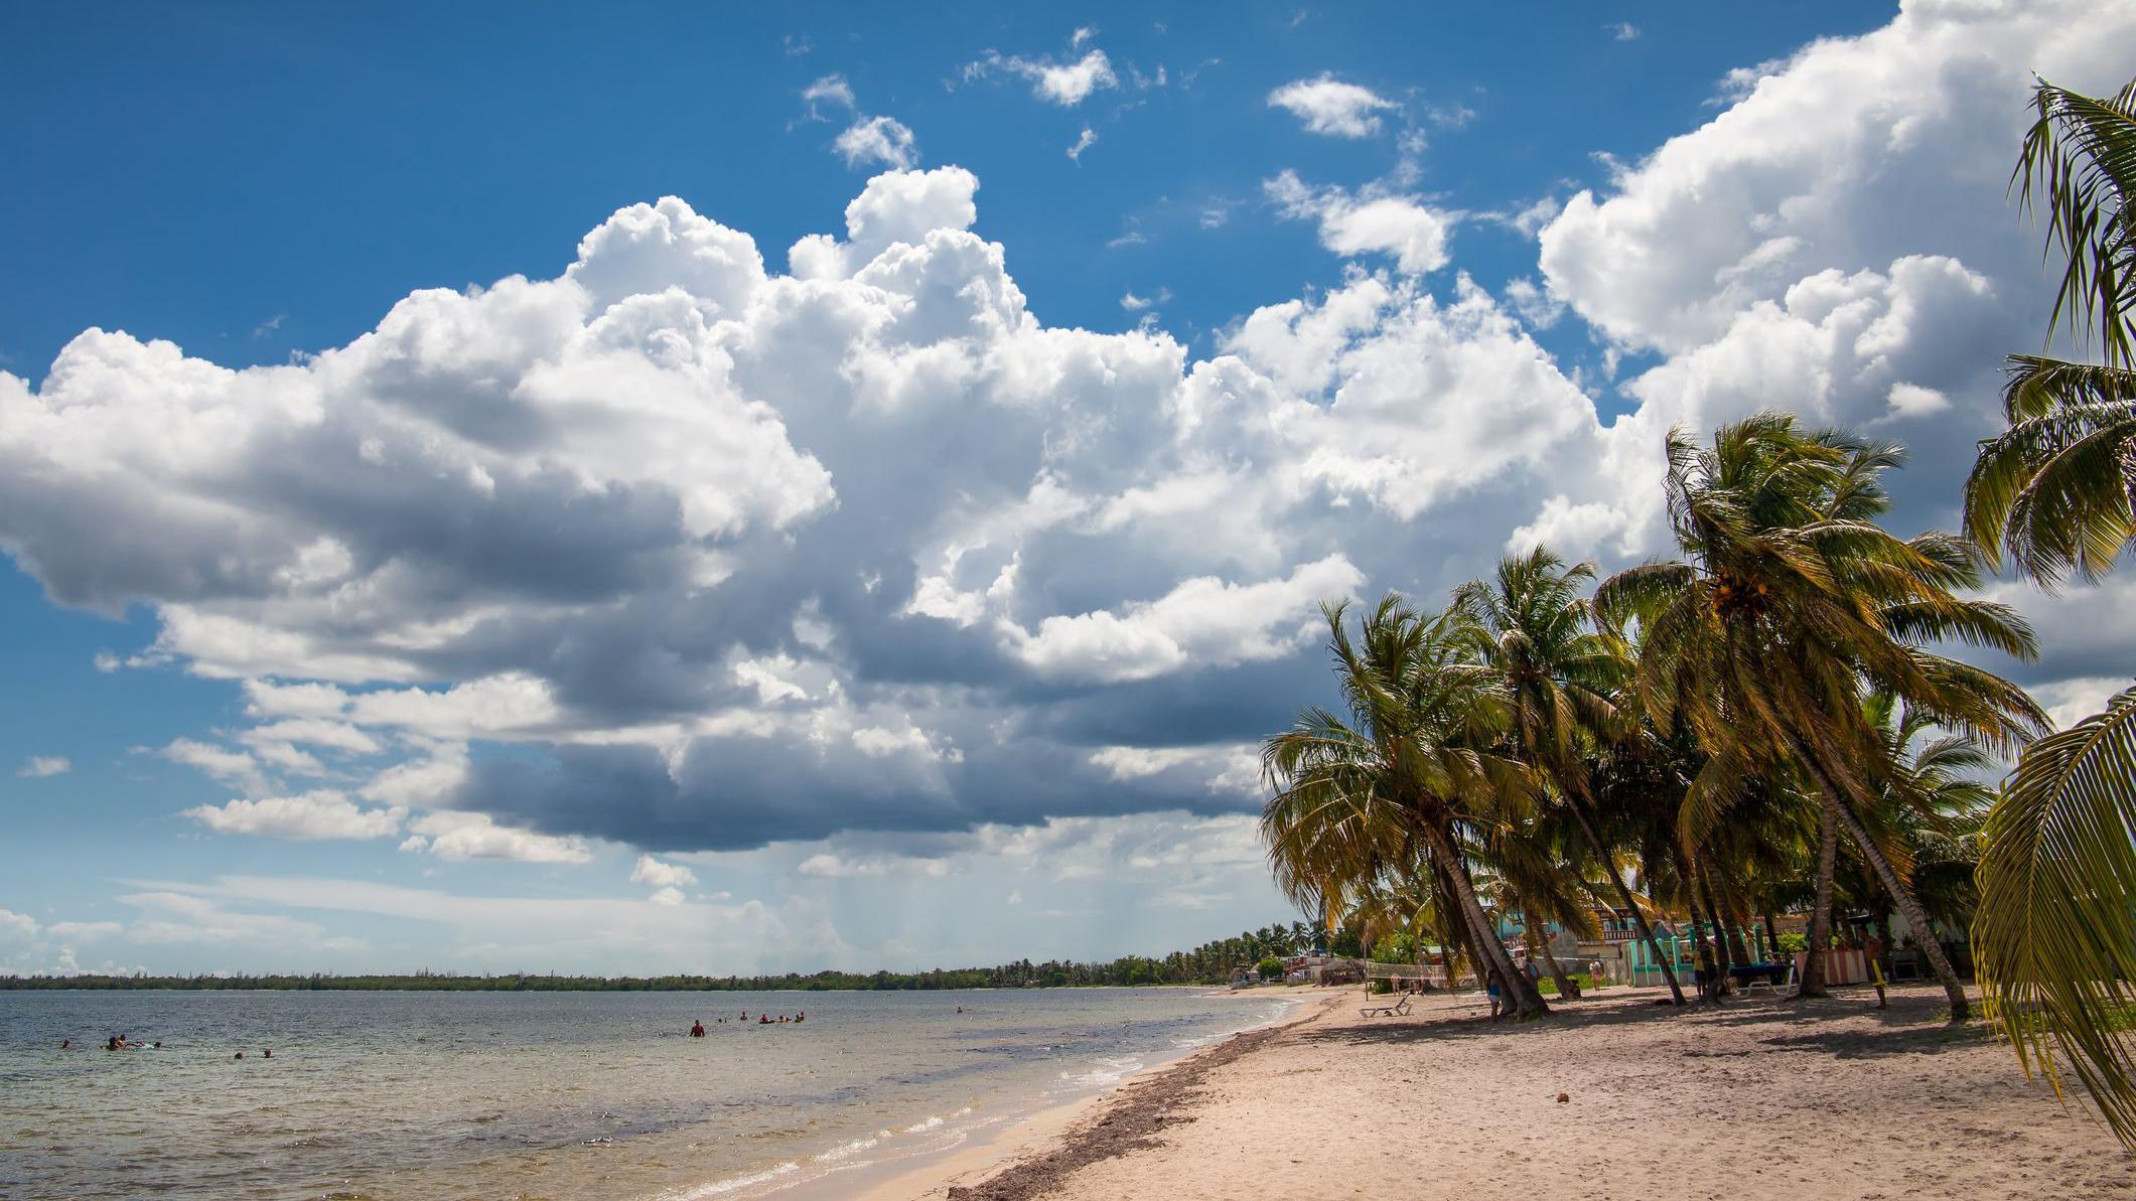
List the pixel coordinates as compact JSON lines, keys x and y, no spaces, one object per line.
{"x":464,"y":1096}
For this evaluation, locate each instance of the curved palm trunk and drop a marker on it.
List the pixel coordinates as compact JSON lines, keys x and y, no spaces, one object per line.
{"x":1837,"y":810}
{"x":1518,"y":990}
{"x":1530,"y":929}
{"x":1720,"y":927}
{"x":1454,"y":927}
{"x":1916,"y":917}
{"x":1812,"y":981}
{"x":1708,"y":962}
{"x":1709,"y":968}
{"x":1624,"y":895}
{"x":1734,"y":923}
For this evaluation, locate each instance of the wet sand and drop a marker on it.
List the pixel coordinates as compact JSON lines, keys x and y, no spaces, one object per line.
{"x":1825,"y":1099}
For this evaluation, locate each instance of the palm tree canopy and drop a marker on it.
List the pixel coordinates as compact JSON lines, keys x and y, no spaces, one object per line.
{"x":2055,"y":935}
{"x":2055,"y":938}
{"x":1792,"y":602}
{"x":2057,"y":490}
{"x":1422,"y":733}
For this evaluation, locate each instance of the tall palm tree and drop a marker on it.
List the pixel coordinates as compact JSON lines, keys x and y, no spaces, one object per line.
{"x":1561,"y":675}
{"x":2054,"y":941}
{"x":1792,"y":604}
{"x":1415,"y":764}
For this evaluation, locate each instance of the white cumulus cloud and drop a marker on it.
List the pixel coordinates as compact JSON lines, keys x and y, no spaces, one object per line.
{"x":1356,"y":223}
{"x":660,"y":874}
{"x":320,"y":814}
{"x":877,"y":142}
{"x":1329,"y":106}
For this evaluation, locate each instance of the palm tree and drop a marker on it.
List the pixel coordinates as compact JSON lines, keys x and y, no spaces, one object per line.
{"x":1560,"y":675}
{"x":2058,"y":488}
{"x":1792,"y":605}
{"x":1531,"y":871}
{"x":2054,"y":942}
{"x":1930,"y":800}
{"x":1416,"y":763}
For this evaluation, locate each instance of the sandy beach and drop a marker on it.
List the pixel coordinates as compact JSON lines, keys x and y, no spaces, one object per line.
{"x":1827,"y":1099}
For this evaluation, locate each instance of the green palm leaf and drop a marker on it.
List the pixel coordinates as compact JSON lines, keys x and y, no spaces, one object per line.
{"x":2055,"y":939}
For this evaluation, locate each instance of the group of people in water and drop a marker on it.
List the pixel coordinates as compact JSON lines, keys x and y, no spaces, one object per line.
{"x":697,"y":1028}
{"x":119,"y":1042}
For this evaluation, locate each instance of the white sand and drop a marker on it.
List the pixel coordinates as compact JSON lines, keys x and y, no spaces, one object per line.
{"x":1762,"y":1098}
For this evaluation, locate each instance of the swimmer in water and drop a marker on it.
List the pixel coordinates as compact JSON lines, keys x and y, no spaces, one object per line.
{"x":697,"y":1029}
{"x":239,"y":1055}
{"x":267,"y":1054}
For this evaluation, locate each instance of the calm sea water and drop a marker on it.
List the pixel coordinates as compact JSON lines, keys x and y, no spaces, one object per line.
{"x":575,"y":1097}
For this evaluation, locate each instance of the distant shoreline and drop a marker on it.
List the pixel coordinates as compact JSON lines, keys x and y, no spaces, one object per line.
{"x":821,"y":982}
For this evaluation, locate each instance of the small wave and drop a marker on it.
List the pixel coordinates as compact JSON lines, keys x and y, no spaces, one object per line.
{"x":849,"y":1150}
{"x":720,"y":1188}
{"x":1108,"y":1072}
{"x":933,"y":1123}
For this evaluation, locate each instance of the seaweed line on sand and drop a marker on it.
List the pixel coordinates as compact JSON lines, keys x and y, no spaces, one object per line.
{"x":1129,"y":1122}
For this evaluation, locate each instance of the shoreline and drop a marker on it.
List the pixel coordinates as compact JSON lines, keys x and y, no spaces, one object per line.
{"x":1056,"y":1140}
{"x":1614,"y":1098}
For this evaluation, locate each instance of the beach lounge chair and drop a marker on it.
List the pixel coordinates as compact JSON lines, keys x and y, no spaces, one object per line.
{"x":1400,"y":1009}
{"x":1766,"y":976}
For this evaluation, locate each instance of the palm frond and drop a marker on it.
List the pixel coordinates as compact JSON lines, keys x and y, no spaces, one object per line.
{"x":2077,"y":168}
{"x":2055,"y":939}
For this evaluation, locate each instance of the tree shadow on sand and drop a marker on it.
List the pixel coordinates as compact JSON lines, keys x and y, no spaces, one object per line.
{"x":1911,"y":1025}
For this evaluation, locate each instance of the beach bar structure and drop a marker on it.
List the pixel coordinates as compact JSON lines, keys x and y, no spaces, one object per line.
{"x":1633,"y":963}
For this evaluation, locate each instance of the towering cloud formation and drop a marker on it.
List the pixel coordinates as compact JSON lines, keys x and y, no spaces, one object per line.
{"x":735,"y":555}
{"x":1838,"y":240}
{"x":687,"y":552}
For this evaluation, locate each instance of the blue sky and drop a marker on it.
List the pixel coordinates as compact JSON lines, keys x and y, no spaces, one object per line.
{"x":777,"y":577}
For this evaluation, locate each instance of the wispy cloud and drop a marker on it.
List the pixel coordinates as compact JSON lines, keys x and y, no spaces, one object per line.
{"x":825,"y":92}
{"x":41,"y":767}
{"x":870,"y":140}
{"x":1066,"y":82}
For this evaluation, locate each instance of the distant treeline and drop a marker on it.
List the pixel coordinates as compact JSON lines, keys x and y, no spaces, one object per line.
{"x":1210,"y":963}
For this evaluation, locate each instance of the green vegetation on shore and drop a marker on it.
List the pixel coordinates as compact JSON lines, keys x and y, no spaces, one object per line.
{"x":1210,"y":963}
